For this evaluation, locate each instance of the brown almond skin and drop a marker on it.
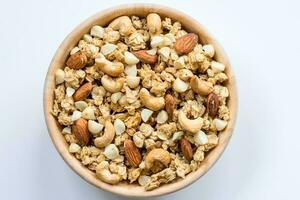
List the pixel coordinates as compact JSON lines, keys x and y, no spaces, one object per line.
{"x":144,"y":57}
{"x":170,"y":104}
{"x":132,"y":153}
{"x":213,"y":104}
{"x":77,"y":61}
{"x":186,"y":43}
{"x":186,"y":149}
{"x":81,"y":132}
{"x":82,"y":92}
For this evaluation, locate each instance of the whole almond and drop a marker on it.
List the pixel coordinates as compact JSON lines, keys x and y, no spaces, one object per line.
{"x":77,"y":60}
{"x":82,"y":92}
{"x":170,"y":104}
{"x":186,"y":149}
{"x":132,"y":153}
{"x":186,"y":43}
{"x":81,"y":132}
{"x":213,"y":104}
{"x":144,"y":57}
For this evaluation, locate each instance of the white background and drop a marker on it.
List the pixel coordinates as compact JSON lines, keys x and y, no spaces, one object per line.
{"x":262,"y":40}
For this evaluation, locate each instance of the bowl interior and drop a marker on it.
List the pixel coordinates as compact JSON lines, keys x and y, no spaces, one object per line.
{"x":103,"y":18}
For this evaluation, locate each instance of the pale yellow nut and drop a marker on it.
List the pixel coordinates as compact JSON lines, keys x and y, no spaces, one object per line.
{"x":97,"y":31}
{"x":157,"y":155}
{"x":163,"y":136}
{"x":112,"y":85}
{"x":119,"y":126}
{"x":80,"y":105}
{"x":76,"y":115}
{"x":162,"y":117}
{"x":108,"y":49}
{"x":217,"y":66}
{"x":200,"y":138}
{"x":151,"y":102}
{"x":164,"y":52}
{"x":113,"y":69}
{"x":74,"y":50}
{"x":171,"y":39}
{"x":157,"y":41}
{"x":144,"y":180}
{"x":191,"y":125}
{"x":122,"y":24}
{"x":146,"y":114}
{"x":152,"y":52}
{"x":185,"y":74}
{"x":138,"y":141}
{"x":132,"y":81}
{"x":59,"y":76}
{"x":131,"y":70}
{"x":69,"y":91}
{"x":209,"y":50}
{"x":103,"y":173}
{"x":66,"y":130}
{"x":115,"y":97}
{"x":154,"y":23}
{"x":179,"y":63}
{"x":130,"y":59}
{"x":180,"y":86}
{"x":219,"y":124}
{"x":95,"y":127}
{"x":107,"y":137}
{"x":177,"y":135}
{"x":200,"y":86}
{"x":123,"y":101}
{"x":111,"y":151}
{"x":74,"y":148}
{"x":88,"y":38}
{"x":88,"y":113}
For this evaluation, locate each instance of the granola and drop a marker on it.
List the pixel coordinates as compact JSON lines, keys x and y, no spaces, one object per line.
{"x":121,"y":125}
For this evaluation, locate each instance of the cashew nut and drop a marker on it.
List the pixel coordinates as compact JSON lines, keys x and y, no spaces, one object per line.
{"x":154,"y":23}
{"x":123,"y":25}
{"x":113,"y":69}
{"x":107,"y":137}
{"x":103,"y":173}
{"x":191,"y":125}
{"x":200,"y":87}
{"x":157,"y":155}
{"x":112,"y":85}
{"x":151,"y":102}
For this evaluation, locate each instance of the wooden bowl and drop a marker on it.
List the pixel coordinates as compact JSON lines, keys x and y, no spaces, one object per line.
{"x":103,"y":18}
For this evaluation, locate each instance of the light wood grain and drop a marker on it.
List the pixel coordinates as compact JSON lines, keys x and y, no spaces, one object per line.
{"x":103,"y":18}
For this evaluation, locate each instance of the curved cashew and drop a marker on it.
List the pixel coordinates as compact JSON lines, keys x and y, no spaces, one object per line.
{"x":191,"y":125}
{"x":112,"y":85}
{"x":157,"y":155}
{"x":154,"y":23}
{"x":200,"y":87}
{"x":107,"y":137}
{"x":123,"y":25}
{"x":103,"y":173}
{"x":151,"y":102}
{"x":113,"y":69}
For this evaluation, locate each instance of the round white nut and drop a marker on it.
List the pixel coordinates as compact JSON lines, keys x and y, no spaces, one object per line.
{"x":88,"y":113}
{"x":144,"y":180}
{"x":74,"y":148}
{"x":108,"y":48}
{"x":66,"y":130}
{"x":80,"y":105}
{"x":157,"y":41}
{"x":131,"y":70}
{"x":162,"y":117}
{"x":111,"y":151}
{"x":69,"y":91}
{"x":130,"y":59}
{"x":97,"y":31}
{"x":177,"y":135}
{"x":133,"y":81}
{"x":142,"y":165}
{"x":146,"y":114}
{"x":119,"y":126}
{"x":103,"y":173}
{"x":164,"y":52}
{"x":116,"y":96}
{"x":219,"y":124}
{"x":76,"y":115}
{"x":152,"y":52}
{"x":217,"y":66}
{"x":163,"y":136}
{"x":200,"y":138}
{"x":191,"y":125}
{"x":151,"y":102}
{"x":94,"y":127}
{"x":180,"y":86}
{"x":107,"y":137}
{"x":112,"y":85}
{"x":154,"y":23}
{"x":88,"y":38}
{"x":209,"y":50}
{"x":59,"y":76}
{"x":113,"y":69}
{"x":179,"y":63}
{"x":138,"y":141}
{"x":74,"y":50}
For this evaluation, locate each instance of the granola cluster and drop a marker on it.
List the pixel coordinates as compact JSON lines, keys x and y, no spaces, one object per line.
{"x":141,"y":101}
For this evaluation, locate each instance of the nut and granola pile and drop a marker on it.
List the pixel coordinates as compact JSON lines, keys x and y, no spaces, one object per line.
{"x":141,"y":101}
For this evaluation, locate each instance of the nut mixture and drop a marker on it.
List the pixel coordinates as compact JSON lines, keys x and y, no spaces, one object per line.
{"x":141,"y":101}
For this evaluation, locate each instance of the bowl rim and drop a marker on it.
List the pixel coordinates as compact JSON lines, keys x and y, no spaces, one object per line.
{"x":84,"y":172}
